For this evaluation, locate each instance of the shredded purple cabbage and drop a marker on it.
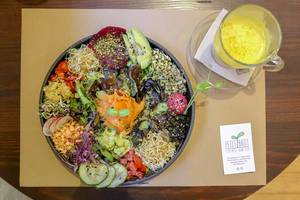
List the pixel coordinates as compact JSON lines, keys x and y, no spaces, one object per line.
{"x":84,"y":152}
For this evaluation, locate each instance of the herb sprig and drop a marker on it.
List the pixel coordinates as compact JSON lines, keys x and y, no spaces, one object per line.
{"x":203,"y":87}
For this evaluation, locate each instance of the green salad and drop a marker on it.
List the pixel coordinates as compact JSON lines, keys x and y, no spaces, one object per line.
{"x":115,"y":108}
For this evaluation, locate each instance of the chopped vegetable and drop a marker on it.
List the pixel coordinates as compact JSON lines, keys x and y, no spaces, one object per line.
{"x":55,"y":123}
{"x":111,"y":145}
{"x":84,"y":152}
{"x":67,"y":137}
{"x":110,"y":177}
{"x":120,"y":177}
{"x":138,"y":47}
{"x":62,"y":73}
{"x":134,"y":165}
{"x":93,"y":174}
{"x":46,"y":127}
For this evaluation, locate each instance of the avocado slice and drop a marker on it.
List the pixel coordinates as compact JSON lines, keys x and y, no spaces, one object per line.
{"x":140,"y":47}
{"x":130,"y":49}
{"x":141,"y":40}
{"x":107,"y":155}
{"x":144,"y":61}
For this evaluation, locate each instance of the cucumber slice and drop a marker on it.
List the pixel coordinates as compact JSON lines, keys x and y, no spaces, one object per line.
{"x":121,"y":174}
{"x":110,"y":177}
{"x":93,"y":174}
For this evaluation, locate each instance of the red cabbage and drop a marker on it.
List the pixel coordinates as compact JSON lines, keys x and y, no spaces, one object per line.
{"x":84,"y":152}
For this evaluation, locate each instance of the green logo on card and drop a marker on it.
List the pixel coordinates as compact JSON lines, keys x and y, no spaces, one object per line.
{"x":238,"y":135}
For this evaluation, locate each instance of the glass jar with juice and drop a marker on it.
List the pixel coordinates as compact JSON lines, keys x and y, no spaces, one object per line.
{"x":249,"y":36}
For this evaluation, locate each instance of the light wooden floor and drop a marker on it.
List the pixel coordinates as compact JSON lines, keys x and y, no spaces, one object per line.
{"x":286,"y":186}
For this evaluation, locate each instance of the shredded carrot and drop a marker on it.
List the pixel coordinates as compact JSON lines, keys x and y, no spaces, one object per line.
{"x":119,"y":100}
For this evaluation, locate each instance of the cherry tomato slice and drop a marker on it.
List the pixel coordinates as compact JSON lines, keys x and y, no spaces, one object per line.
{"x":62,"y":67}
{"x":137,"y":162}
{"x":134,"y":165}
{"x":131,"y":166}
{"x":53,"y":77}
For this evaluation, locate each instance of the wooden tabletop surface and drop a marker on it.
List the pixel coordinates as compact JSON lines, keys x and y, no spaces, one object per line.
{"x":285,"y":186}
{"x":282,"y":99}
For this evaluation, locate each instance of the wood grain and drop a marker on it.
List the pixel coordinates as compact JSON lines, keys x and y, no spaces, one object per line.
{"x":286,"y":186}
{"x":282,"y":101}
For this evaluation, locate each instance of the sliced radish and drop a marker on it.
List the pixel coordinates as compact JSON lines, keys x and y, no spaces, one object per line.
{"x":46,"y":127}
{"x":59,"y":124}
{"x":55,"y":123}
{"x":52,"y":127}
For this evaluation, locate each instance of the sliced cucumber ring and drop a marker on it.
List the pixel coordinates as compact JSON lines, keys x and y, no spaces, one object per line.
{"x":121,"y":174}
{"x":110,"y":177}
{"x":93,"y":174}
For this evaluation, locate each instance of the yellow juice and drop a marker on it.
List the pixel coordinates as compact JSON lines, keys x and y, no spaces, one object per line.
{"x":244,"y":39}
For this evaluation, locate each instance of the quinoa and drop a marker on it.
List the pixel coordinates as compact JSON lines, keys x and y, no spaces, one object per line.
{"x":166,"y":73}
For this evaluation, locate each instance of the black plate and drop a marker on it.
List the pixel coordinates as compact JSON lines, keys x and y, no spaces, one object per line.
{"x":191,"y":112}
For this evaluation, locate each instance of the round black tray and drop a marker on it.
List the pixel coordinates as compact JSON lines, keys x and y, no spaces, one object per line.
{"x":191,"y":111}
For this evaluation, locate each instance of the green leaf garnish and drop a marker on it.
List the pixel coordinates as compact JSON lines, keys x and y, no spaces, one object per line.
{"x":203,"y":86}
{"x":112,"y":112}
{"x":124,"y":112}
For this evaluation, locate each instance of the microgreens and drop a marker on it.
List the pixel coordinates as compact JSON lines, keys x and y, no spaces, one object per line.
{"x":203,"y":87}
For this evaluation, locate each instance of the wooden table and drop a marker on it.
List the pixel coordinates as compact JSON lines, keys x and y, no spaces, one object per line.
{"x":282,"y":104}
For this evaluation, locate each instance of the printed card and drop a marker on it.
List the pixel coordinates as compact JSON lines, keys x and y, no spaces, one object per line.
{"x":237,"y":148}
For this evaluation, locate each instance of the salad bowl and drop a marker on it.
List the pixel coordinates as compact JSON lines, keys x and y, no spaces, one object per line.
{"x":189,"y":114}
